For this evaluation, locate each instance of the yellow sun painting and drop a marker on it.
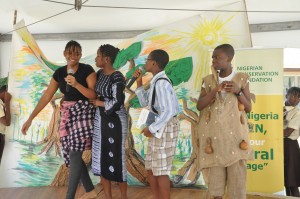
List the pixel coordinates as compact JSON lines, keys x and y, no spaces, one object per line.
{"x":205,"y":36}
{"x":199,"y":36}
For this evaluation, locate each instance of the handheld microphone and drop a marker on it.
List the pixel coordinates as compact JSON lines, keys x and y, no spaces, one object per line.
{"x":134,"y":78}
{"x":70,"y":72}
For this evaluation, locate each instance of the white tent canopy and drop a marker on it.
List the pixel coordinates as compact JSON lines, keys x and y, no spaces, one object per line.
{"x":120,"y":15}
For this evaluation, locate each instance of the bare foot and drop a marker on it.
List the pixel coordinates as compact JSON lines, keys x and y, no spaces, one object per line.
{"x":98,"y":188}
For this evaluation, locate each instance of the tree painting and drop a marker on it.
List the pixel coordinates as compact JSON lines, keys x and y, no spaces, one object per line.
{"x":187,"y":43}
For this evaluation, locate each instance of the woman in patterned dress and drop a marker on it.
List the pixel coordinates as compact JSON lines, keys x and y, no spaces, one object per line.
{"x":111,"y":121}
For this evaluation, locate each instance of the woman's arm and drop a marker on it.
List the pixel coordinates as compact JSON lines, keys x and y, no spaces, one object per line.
{"x":88,"y":92}
{"x":118,"y":97}
{"x":118,"y":86}
{"x":45,"y":99}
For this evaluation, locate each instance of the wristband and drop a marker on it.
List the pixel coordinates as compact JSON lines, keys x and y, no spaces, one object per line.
{"x":239,"y":93}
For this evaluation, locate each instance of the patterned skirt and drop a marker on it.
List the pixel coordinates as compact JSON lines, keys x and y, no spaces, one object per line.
{"x":76,"y":127}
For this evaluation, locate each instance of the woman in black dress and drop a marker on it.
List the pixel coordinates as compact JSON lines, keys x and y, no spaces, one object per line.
{"x":111,"y":121}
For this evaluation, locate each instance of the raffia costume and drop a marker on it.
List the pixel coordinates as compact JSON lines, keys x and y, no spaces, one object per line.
{"x":223,"y":126}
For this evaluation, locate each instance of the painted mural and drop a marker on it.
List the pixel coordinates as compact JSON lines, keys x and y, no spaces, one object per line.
{"x":35,"y":159}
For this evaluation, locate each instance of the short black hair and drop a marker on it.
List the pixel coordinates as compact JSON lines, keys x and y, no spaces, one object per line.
{"x":109,"y":51}
{"x":227,"y":48}
{"x":161,"y":57}
{"x":294,"y":91}
{"x":72,"y":45}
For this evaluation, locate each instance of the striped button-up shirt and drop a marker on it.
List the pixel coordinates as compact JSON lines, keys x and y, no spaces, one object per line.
{"x":166,"y":102}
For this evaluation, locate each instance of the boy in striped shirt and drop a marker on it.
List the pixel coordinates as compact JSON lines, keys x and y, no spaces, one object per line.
{"x":162,"y":133}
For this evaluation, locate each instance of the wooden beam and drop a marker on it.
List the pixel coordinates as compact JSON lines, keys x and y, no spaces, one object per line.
{"x":291,"y":71}
{"x":278,"y":26}
{"x":254,"y":28}
{"x":80,"y":35}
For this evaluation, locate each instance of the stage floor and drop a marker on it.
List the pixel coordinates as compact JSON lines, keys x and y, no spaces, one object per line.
{"x":133,"y":193}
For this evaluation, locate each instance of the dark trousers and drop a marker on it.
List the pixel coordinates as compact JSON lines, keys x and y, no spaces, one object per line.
{"x":2,"y":144}
{"x":78,"y":171}
{"x":292,"y":191}
{"x":291,"y":167}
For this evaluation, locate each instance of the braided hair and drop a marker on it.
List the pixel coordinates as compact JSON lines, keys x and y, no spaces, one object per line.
{"x":3,"y":88}
{"x":110,"y":51}
{"x":73,"y":46}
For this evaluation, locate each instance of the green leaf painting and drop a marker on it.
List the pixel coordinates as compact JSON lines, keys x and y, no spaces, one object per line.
{"x":121,"y":59}
{"x":127,"y":54}
{"x":3,"y":81}
{"x":133,"y":50}
{"x":179,"y":70}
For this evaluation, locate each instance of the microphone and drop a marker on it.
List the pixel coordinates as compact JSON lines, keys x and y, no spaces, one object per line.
{"x":132,"y":80}
{"x":70,"y":72}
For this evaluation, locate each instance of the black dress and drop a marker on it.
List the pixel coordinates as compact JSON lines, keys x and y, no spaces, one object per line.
{"x":111,"y":123}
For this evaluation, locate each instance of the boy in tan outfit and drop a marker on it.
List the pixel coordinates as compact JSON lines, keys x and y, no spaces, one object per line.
{"x":223,"y":102}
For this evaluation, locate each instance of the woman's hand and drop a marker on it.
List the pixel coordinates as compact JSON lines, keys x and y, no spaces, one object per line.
{"x":71,"y":80}
{"x":97,"y":102}
{"x":26,"y":126}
